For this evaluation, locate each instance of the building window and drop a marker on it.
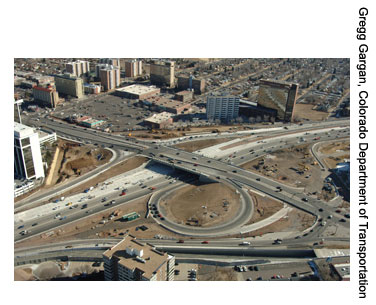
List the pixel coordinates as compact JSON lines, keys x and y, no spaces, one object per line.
{"x":25,"y":142}
{"x":28,"y":157}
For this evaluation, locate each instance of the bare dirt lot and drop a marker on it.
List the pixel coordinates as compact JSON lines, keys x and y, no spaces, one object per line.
{"x":75,"y":160}
{"x":202,"y":204}
{"x":197,"y":145}
{"x":291,"y":166}
{"x":336,"y":152}
{"x":264,"y":207}
{"x":295,"y":220}
{"x":305,"y":111}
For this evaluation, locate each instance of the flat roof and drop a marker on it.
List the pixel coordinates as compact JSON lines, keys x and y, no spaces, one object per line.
{"x":184,"y":92}
{"x":166,"y":102}
{"x":276,"y":81}
{"x":22,"y":131}
{"x":153,"y":259}
{"x":159,"y":117}
{"x":138,"y":89}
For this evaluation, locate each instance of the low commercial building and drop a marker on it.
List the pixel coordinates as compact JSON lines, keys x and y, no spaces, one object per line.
{"x":69,"y":85}
{"x":159,"y":120}
{"x":188,"y":82}
{"x":166,"y":104}
{"x":46,"y":96}
{"x":131,"y":260}
{"x":46,"y":137}
{"x":131,"y":216}
{"x":92,"y":89}
{"x":91,"y":122}
{"x":184,"y":96}
{"x":28,"y":162}
{"x":137,"y":91}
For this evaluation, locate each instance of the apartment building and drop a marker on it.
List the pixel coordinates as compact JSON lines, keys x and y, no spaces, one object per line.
{"x":77,"y":68}
{"x":110,"y":77}
{"x":162,"y":73}
{"x":133,"y":68}
{"x":48,"y":97}
{"x":223,"y":107}
{"x":69,"y":85}
{"x":131,"y":260}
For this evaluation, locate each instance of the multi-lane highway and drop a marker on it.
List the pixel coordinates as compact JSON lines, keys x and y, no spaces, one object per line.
{"x":221,"y":169}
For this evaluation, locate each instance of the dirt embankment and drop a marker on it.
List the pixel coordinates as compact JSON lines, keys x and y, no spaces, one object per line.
{"x":201,"y":204}
{"x":263,"y":207}
{"x":197,"y":145}
{"x":122,"y":167}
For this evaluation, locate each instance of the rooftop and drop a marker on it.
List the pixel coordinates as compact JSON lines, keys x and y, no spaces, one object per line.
{"x":166,"y":102}
{"x":67,"y":76}
{"x":138,"y":89}
{"x":22,"y":131}
{"x":143,"y":256}
{"x":159,"y":117}
{"x":279,"y":82}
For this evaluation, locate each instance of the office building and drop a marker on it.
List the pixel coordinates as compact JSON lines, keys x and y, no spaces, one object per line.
{"x":27,"y":155}
{"x":68,"y":84}
{"x":137,"y":91}
{"x":133,"y":68}
{"x":278,"y":95}
{"x":222,"y":107}
{"x":131,"y":260}
{"x":110,"y":77}
{"x":162,"y":73}
{"x":77,"y":68}
{"x":46,"y":96}
{"x":185,"y":83}
{"x":110,"y":61}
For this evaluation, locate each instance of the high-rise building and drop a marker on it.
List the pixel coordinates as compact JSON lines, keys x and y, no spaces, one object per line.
{"x":69,"y":85}
{"x":185,"y":83}
{"x":223,"y":107}
{"x":17,"y":112}
{"x":110,"y":61}
{"x":46,"y":96}
{"x":110,"y":77}
{"x":133,"y":68}
{"x":280,"y":96}
{"x":27,"y":156}
{"x":78,"y":67}
{"x":131,"y":260}
{"x":162,"y":73}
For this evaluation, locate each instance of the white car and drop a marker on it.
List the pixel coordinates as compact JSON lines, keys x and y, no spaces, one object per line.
{"x":245,"y":243}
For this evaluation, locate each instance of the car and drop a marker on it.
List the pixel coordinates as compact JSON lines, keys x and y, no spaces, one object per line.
{"x":180,"y":241}
{"x":256,"y":268}
{"x":347,"y":215}
{"x":112,"y":201}
{"x":257,"y":179}
{"x":259,"y":278}
{"x":62,"y":218}
{"x":84,"y":206}
{"x":330,"y":216}
{"x":249,"y":279}
{"x":245,"y":243}
{"x":195,"y":164}
{"x":234,"y":171}
{"x":205,"y":242}
{"x":21,"y":227}
{"x":342,"y":220}
{"x":250,"y":268}
{"x":34,"y":224}
{"x":321,"y":210}
{"x":305,"y":199}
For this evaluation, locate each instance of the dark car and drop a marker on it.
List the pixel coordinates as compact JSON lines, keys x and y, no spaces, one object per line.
{"x":34,"y":224}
